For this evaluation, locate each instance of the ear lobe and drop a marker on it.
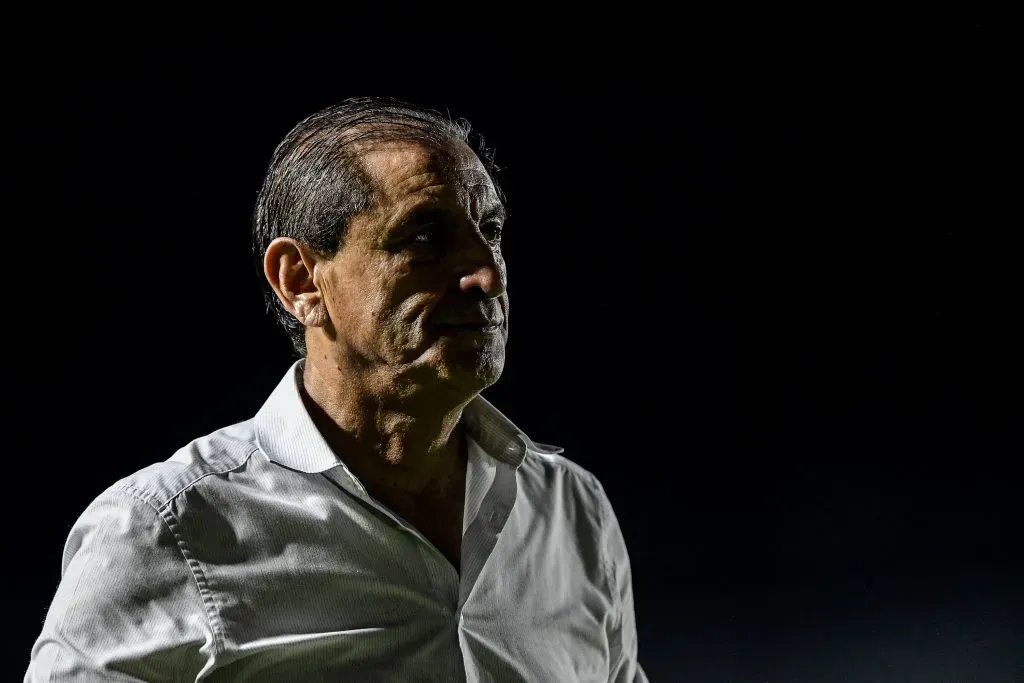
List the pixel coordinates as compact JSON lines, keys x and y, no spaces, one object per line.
{"x":311,"y":311}
{"x":318,"y":316}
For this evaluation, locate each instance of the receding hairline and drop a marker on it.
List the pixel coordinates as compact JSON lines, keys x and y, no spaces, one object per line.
{"x":451,"y":155}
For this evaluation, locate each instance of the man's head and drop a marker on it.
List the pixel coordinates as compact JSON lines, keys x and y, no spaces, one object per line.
{"x":378,"y":230}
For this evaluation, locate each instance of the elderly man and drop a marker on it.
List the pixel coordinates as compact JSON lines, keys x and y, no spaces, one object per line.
{"x":378,"y":519}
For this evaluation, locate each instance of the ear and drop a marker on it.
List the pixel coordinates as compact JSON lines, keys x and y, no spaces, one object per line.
{"x":290,"y":269}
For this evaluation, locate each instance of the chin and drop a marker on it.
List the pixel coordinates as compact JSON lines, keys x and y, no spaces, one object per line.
{"x":465,"y":366}
{"x":481,"y":375}
{"x":472,"y":373}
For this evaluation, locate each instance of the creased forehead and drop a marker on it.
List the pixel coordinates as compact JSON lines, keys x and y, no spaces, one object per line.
{"x":387,"y":156}
{"x":398,"y":168}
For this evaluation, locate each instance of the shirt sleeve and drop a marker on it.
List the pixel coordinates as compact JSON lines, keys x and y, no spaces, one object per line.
{"x":622,"y":634}
{"x":128,"y":606}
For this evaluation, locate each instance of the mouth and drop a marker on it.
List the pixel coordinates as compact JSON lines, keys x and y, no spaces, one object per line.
{"x":468,"y":328}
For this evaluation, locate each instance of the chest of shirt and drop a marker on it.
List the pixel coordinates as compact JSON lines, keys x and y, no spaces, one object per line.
{"x":332,"y":574}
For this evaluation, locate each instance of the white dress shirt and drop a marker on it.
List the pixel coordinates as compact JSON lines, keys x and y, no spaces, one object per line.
{"x":254,"y":554}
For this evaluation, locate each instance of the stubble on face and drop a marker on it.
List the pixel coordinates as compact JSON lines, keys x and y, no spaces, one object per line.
{"x":385,"y":299}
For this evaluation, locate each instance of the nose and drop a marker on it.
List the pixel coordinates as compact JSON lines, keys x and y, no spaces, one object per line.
{"x":483,"y":269}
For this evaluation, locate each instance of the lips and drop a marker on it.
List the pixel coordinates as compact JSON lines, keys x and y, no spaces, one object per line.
{"x":475,"y":322}
{"x":469,"y":324}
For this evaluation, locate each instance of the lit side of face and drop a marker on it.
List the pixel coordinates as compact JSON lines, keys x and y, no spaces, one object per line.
{"x":418,"y":289}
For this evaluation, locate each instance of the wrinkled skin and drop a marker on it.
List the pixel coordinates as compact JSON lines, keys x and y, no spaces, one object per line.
{"x":385,"y":380}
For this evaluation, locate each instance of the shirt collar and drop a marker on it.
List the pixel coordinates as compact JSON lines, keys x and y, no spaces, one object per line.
{"x":287,"y":434}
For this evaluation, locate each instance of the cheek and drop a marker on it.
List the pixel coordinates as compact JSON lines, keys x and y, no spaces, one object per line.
{"x":502,"y":270}
{"x":362,"y":318}
{"x":400,"y":318}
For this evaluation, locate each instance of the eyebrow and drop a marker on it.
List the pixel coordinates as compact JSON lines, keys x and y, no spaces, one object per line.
{"x":495,"y":211}
{"x":429,"y":210}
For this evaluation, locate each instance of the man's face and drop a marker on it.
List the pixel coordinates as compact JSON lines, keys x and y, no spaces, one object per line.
{"x":419,"y":285}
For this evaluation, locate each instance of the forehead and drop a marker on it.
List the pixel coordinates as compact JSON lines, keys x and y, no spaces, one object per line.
{"x":403,"y":171}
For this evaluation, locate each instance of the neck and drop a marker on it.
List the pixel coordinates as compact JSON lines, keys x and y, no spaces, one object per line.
{"x":410,"y":444}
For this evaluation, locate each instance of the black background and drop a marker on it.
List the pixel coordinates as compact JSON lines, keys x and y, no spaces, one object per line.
{"x":765,"y":285}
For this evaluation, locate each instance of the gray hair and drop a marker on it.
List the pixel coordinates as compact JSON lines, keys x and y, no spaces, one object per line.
{"x":315,"y":183}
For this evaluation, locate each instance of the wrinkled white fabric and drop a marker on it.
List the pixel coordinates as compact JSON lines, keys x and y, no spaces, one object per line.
{"x":254,"y":554}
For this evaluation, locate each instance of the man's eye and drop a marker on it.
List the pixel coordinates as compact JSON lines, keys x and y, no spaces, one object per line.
{"x":428,"y":235}
{"x":493,"y":231}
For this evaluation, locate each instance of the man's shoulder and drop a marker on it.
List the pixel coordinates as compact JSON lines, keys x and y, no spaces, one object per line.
{"x":550,"y":468}
{"x":546,"y":457}
{"x":216,"y":453}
